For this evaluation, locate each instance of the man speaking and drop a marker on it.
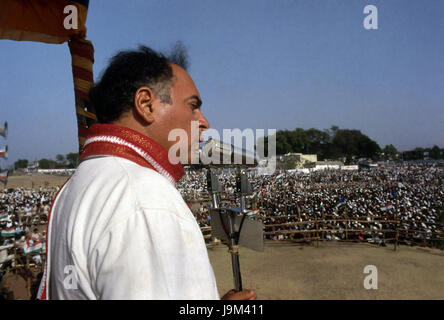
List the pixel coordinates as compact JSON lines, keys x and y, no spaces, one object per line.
{"x":118,"y":228}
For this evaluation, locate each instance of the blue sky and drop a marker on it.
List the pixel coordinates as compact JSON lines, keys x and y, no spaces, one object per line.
{"x":278,"y":64}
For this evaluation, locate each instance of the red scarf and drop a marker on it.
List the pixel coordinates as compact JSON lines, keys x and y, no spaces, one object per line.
{"x":114,"y":140}
{"x":109,"y":139}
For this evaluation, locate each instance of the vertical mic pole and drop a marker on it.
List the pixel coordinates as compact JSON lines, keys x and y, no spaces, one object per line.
{"x":243,"y":188}
{"x":234,"y":247}
{"x":234,"y":250}
{"x":215,"y":188}
{"x":234,"y":240}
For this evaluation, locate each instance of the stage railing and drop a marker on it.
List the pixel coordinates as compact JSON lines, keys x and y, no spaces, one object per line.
{"x":327,"y":230}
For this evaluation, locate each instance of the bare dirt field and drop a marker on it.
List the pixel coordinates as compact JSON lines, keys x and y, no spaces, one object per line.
{"x":333,"y":271}
{"x":35,"y":180}
{"x":330,"y":271}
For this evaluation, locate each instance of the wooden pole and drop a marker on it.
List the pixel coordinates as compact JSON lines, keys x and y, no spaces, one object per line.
{"x":317,"y":230}
{"x":323,"y":222}
{"x":82,"y":56}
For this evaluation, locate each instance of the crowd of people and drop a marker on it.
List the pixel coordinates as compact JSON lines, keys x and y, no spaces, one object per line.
{"x":23,"y":217}
{"x":402,"y":202}
{"x":364,"y":205}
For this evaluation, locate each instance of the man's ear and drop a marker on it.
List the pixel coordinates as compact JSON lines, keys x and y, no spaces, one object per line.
{"x":143,"y":103}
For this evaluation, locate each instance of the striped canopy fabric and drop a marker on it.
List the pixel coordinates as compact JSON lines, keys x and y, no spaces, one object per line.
{"x":40,"y":20}
{"x":45,"y":21}
{"x":82,"y":54}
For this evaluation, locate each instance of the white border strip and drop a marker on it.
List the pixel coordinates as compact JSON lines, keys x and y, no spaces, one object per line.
{"x":44,"y":283}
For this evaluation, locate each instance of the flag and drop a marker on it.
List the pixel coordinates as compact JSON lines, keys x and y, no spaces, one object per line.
{"x":278,"y":177}
{"x":4,"y":215}
{"x":253,"y":213}
{"x":256,"y":194}
{"x":4,"y":178}
{"x":9,"y":232}
{"x":31,"y":247}
{"x":4,"y":152}
{"x":388,"y":206}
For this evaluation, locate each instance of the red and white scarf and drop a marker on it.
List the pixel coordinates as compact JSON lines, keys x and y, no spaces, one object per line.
{"x":114,"y":140}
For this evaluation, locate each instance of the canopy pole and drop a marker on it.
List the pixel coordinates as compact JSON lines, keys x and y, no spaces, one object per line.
{"x":82,"y":56}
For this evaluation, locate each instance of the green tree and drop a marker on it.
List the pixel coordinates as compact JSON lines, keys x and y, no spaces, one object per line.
{"x":353,"y":144}
{"x":60,"y":158}
{"x":390,"y":152}
{"x":61,"y":162}
{"x":299,"y":141}
{"x":332,"y":143}
{"x":332,"y":132}
{"x":283,"y":143}
{"x":318,"y":142}
{"x":20,"y":164}
{"x":73,"y":159}
{"x":47,"y":164}
{"x":435,"y":152}
{"x":291,"y":141}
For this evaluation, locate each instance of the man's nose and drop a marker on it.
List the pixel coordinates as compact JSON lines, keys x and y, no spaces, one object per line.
{"x":203,"y":122}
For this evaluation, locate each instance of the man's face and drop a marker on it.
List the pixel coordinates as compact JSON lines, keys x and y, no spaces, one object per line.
{"x":184,"y":109}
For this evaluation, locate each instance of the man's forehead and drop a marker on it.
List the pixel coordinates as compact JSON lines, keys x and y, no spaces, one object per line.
{"x":184,"y":81}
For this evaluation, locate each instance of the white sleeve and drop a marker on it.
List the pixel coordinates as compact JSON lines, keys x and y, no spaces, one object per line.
{"x":152,"y":254}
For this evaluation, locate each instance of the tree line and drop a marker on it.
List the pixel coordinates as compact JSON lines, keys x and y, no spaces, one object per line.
{"x":342,"y":144}
{"x":68,"y":161}
{"x":329,"y":144}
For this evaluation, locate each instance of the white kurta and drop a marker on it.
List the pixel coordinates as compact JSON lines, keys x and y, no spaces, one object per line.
{"x":122,"y":231}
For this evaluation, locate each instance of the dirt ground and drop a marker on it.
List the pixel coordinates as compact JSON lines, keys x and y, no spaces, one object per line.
{"x":17,"y":285}
{"x":333,"y":271}
{"x":330,"y":271}
{"x":301,"y":271}
{"x":35,"y":180}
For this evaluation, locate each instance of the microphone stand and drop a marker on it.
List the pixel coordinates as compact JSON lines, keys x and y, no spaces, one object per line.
{"x":228,"y":217}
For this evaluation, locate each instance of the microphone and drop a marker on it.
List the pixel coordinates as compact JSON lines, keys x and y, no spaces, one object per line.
{"x":219,"y":154}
